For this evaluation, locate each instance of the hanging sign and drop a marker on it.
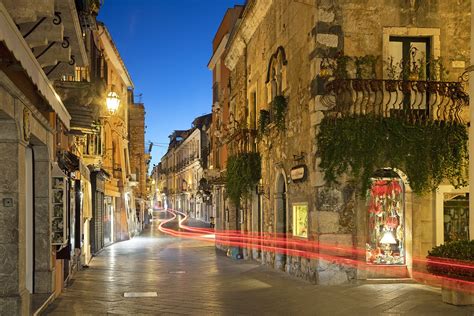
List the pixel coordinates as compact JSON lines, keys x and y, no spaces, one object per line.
{"x":298,"y":173}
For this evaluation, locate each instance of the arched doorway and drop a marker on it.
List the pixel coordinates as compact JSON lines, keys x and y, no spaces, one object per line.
{"x":281,"y":217}
{"x":386,"y":219}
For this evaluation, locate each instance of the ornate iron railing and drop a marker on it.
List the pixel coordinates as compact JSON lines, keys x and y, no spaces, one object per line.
{"x":417,"y":101}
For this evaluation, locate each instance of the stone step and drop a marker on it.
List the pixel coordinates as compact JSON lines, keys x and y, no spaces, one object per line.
{"x":387,"y":281}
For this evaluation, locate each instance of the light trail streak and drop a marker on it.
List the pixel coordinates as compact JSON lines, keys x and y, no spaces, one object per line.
{"x":305,"y":249}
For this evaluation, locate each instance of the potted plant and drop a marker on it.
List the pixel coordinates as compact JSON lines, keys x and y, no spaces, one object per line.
{"x":454,"y":263}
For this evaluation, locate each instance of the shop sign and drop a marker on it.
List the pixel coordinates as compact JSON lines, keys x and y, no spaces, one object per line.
{"x":298,"y":173}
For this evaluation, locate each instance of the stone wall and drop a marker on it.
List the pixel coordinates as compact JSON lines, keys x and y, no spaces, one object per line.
{"x":16,"y":134}
{"x":136,"y":131}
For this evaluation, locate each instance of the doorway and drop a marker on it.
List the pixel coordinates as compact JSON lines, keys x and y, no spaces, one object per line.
{"x":281,"y":218}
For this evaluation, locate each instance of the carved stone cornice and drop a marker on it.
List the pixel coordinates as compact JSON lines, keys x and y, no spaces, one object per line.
{"x":254,"y":13}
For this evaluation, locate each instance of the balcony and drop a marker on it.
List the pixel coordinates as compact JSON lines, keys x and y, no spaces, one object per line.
{"x":415,"y":101}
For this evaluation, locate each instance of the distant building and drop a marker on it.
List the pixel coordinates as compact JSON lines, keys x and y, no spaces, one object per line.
{"x":180,"y":173}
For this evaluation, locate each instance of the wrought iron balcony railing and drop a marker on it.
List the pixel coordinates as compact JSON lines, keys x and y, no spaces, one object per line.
{"x":417,"y":101}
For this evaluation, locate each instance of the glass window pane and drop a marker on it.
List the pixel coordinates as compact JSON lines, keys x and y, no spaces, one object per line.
{"x":456,"y":217}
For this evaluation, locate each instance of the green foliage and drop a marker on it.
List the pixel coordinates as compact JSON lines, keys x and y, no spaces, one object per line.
{"x":278,"y":111}
{"x":427,"y":153}
{"x":243,"y":173}
{"x":365,"y":66}
{"x":340,"y":71}
{"x":455,"y":250}
{"x":263,"y":121}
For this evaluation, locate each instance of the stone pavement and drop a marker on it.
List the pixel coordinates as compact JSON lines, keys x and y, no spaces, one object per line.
{"x":191,"y":278}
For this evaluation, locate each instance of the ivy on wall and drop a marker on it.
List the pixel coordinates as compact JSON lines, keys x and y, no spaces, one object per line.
{"x":243,"y":173}
{"x":278,"y":111}
{"x":427,"y":153}
{"x":277,"y":115}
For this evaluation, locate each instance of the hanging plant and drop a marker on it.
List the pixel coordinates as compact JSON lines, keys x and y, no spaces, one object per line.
{"x":263,"y":121}
{"x":359,"y":145}
{"x":279,"y":111}
{"x":243,"y":173}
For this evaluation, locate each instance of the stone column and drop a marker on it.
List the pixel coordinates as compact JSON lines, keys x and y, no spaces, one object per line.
{"x":44,"y":276}
{"x":14,"y":298}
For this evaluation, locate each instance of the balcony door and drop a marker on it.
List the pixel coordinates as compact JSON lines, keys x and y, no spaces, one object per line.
{"x":409,"y":60}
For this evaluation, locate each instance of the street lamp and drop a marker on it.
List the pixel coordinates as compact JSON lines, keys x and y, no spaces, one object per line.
{"x":112,"y":102}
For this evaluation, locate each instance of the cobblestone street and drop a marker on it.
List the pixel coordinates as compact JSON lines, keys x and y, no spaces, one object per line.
{"x":190,"y":278}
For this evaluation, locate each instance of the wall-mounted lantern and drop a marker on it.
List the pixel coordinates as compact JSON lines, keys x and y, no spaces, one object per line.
{"x":112,"y":102}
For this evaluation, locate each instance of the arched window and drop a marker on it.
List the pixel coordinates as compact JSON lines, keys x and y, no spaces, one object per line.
{"x":386,"y":219}
{"x":276,"y":74}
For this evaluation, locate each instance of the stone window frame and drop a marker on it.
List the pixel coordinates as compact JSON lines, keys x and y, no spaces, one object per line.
{"x":432,"y":33}
{"x":278,"y":61}
{"x":439,"y":210}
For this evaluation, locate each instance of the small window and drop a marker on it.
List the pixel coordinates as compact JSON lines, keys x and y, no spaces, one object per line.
{"x":456,"y":216}
{"x":300,"y":220}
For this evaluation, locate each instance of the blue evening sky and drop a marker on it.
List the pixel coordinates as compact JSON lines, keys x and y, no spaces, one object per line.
{"x":166,"y":45}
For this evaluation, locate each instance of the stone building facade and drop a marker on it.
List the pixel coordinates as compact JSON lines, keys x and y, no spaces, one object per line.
{"x":65,"y":158}
{"x":138,"y":158}
{"x":215,"y":175}
{"x":34,"y":122}
{"x":281,"y":50}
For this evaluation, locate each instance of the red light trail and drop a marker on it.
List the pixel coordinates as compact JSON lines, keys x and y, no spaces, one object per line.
{"x":276,"y":243}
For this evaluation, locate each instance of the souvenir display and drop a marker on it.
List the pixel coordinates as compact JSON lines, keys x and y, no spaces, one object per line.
{"x":58,"y":221}
{"x":300,"y":220}
{"x":386,"y":222}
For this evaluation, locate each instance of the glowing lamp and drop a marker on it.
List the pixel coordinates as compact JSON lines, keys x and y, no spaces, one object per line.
{"x":112,"y":102}
{"x":388,"y":238}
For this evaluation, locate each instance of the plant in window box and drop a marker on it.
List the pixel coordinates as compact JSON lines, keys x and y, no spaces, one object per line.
{"x":340,"y":67}
{"x":454,"y":262}
{"x":438,"y":71}
{"x":365,"y":66}
{"x":391,"y":69}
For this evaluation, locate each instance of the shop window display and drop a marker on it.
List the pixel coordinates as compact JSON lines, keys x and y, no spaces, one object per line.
{"x":300,"y":220}
{"x":386,"y":227}
{"x":456,"y":217}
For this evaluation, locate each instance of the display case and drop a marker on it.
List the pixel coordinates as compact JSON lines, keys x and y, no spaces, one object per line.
{"x":58,"y":222}
{"x":300,"y":220}
{"x":386,"y":222}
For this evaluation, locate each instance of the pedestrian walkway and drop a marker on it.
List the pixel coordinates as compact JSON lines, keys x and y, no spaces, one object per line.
{"x":190,"y":278}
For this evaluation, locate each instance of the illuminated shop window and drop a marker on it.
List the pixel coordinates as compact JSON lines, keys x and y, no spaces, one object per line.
{"x":456,"y":216}
{"x":300,"y":220}
{"x":386,"y":226}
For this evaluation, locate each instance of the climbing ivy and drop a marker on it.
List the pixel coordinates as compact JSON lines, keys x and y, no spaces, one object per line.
{"x":427,"y":153}
{"x":243,"y":173}
{"x":263,"y":121}
{"x":278,"y":111}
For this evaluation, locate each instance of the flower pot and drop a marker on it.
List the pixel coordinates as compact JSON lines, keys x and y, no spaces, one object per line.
{"x":456,"y":292}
